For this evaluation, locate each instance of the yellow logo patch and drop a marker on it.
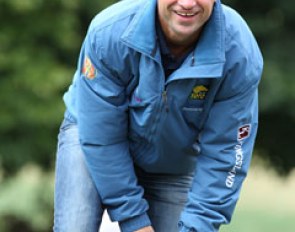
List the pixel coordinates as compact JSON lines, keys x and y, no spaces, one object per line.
{"x":88,"y":69}
{"x":199,"y":92}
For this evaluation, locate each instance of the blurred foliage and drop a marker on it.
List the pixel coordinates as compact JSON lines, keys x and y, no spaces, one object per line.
{"x":39,"y":47}
{"x":26,"y":201}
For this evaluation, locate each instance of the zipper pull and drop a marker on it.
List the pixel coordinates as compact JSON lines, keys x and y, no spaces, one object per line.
{"x":165,"y":100}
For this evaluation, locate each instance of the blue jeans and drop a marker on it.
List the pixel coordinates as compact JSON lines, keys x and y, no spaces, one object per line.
{"x":77,"y":205}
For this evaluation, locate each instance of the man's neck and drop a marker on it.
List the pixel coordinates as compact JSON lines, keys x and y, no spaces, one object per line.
{"x":179,"y":50}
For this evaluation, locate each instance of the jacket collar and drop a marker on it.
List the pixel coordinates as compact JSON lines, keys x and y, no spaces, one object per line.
{"x":141,"y":35}
{"x":211,"y":45}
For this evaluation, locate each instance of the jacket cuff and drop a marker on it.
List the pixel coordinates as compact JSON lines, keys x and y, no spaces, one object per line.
{"x":135,"y":223}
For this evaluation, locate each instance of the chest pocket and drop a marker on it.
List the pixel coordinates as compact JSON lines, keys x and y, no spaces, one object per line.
{"x":192,"y":111}
{"x":194,"y":106}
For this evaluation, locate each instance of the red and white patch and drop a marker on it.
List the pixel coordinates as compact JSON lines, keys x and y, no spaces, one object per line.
{"x":244,"y":132}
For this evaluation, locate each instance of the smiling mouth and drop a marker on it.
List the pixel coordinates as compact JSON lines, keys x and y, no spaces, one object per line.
{"x":185,"y":14}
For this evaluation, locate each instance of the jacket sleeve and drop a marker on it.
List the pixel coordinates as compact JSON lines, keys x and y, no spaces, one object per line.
{"x":226,"y":143}
{"x":103,"y":123}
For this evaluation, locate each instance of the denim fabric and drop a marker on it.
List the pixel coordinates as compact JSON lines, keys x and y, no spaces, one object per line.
{"x":77,"y":206}
{"x":166,"y":195}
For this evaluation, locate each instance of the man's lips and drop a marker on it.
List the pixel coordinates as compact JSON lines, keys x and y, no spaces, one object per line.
{"x":186,"y":14}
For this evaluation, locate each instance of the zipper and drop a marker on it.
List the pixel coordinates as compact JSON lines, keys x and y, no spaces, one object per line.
{"x":165,"y":100}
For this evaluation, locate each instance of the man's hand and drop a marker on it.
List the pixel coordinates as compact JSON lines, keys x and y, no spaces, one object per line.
{"x":146,"y":229}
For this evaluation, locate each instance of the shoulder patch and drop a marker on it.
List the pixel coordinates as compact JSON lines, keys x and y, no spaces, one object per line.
{"x":88,"y":70}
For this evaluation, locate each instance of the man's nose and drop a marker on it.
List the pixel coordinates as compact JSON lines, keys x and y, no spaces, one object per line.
{"x":187,"y":4}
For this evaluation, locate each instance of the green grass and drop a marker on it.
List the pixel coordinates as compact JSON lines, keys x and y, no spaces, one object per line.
{"x":260,"y":221}
{"x":266,"y":204}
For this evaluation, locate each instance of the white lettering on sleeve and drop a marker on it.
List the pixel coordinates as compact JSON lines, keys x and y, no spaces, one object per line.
{"x":230,"y":180}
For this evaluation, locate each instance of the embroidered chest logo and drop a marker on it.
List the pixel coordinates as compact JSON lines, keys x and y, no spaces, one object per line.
{"x":88,"y":69}
{"x":199,"y":92}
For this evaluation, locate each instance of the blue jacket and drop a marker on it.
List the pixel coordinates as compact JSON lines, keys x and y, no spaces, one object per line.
{"x":202,"y":118}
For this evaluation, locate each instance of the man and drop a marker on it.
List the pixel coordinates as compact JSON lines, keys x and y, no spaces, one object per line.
{"x":161,"y":118}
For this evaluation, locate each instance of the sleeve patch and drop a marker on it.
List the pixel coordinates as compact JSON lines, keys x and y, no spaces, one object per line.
{"x":244,"y":132}
{"x":89,"y":70}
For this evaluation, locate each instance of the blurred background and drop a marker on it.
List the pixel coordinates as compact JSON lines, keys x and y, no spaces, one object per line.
{"x":39,"y":47}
